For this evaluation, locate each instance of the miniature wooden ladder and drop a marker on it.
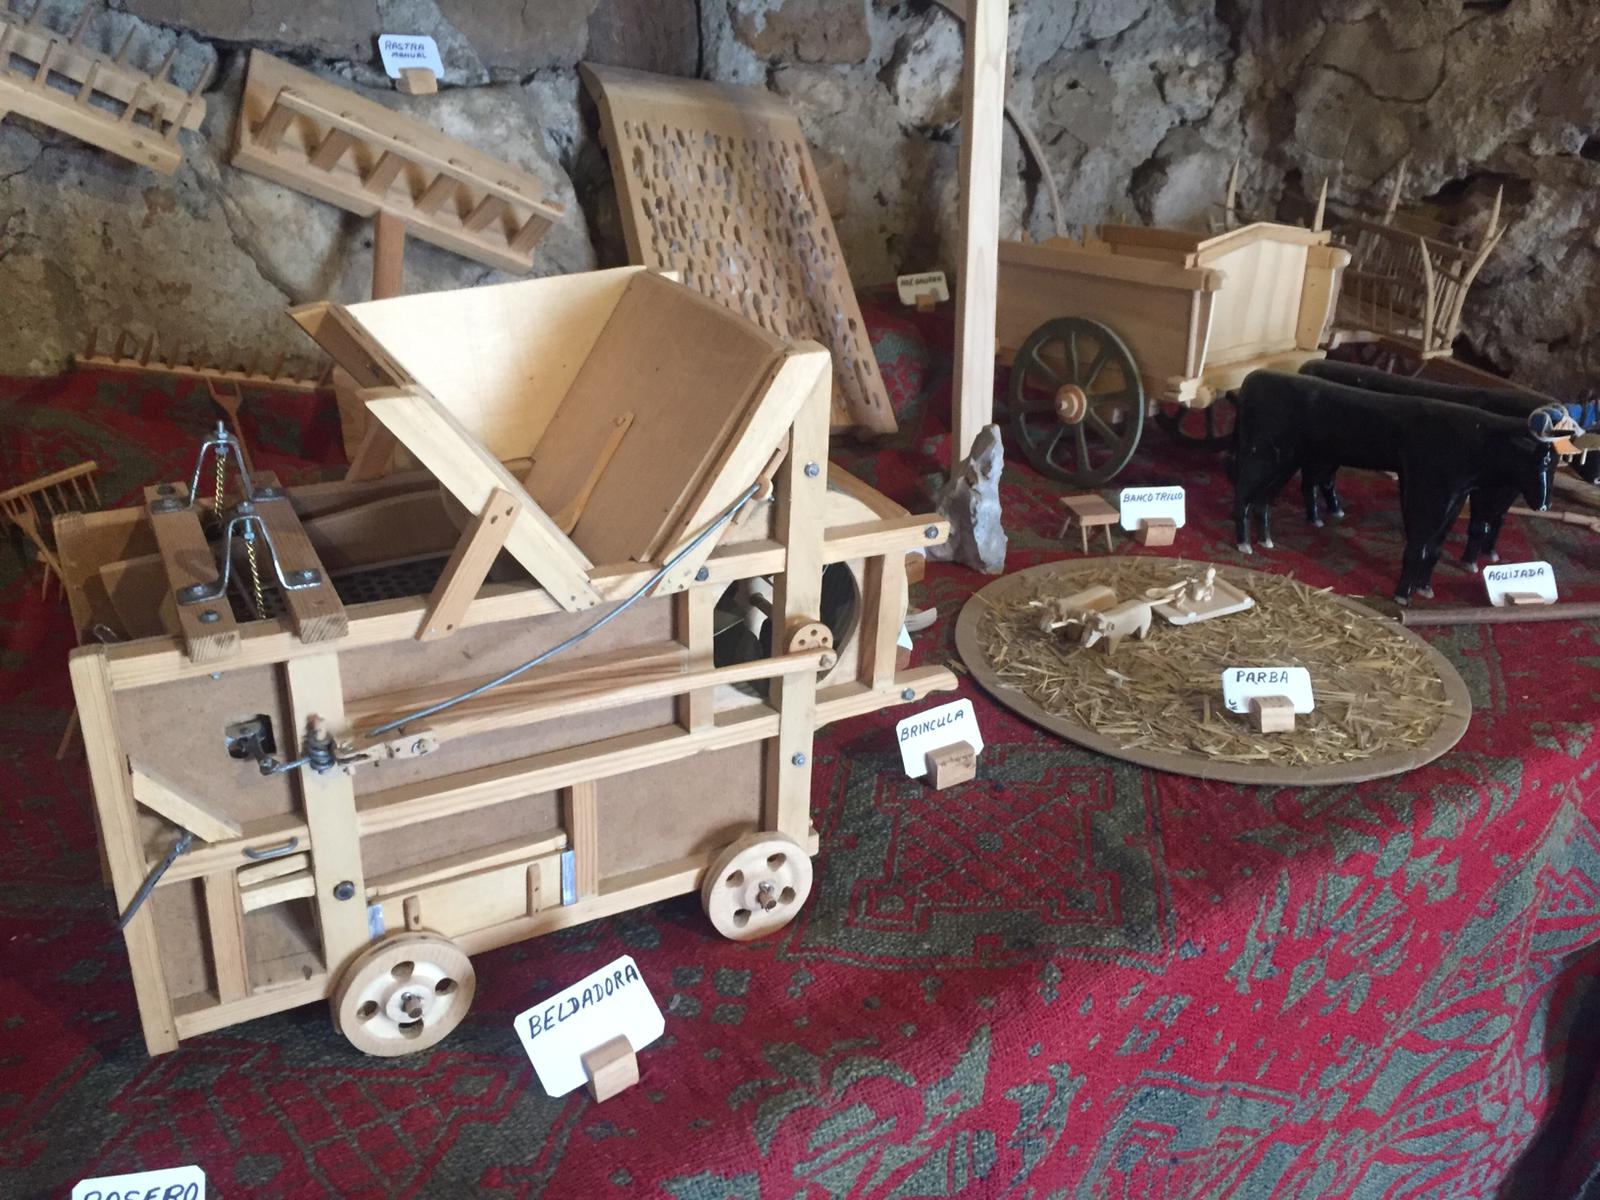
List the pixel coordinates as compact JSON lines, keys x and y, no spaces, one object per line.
{"x":95,"y":97}
{"x":130,"y":352}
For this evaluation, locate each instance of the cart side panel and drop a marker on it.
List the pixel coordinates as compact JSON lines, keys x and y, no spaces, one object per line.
{"x":679,"y":809}
{"x":1257,"y":311}
{"x":1153,"y":320}
{"x":414,"y":846}
{"x":180,"y":925}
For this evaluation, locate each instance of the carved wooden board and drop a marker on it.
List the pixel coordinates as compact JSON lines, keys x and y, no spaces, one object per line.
{"x":715,"y":182}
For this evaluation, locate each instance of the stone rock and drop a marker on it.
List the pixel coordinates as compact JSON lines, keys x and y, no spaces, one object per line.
{"x":514,"y":39}
{"x":347,"y":29}
{"x":1185,"y":183}
{"x":971,"y":503}
{"x":648,"y":35}
{"x":924,"y":77}
{"x":809,"y":31}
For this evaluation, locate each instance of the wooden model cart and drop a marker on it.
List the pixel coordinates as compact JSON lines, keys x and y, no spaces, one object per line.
{"x":357,"y":837}
{"x":1093,"y":328}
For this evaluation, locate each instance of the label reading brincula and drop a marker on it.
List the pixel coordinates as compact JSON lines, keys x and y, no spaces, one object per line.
{"x":936,"y":728}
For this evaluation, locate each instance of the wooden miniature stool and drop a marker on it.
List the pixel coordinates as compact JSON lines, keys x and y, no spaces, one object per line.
{"x":1088,"y":510}
{"x":1157,"y":531}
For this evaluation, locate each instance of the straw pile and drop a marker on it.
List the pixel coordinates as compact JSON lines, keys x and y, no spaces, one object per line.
{"x":1376,"y":692}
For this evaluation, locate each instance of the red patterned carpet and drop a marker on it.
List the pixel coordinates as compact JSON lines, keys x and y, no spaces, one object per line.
{"x":1067,"y":978}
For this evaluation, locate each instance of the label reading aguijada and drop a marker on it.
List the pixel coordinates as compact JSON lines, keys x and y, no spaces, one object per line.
{"x":1504,"y":579}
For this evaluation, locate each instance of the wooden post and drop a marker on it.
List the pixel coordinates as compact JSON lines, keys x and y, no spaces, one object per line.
{"x":797,"y":600}
{"x":983,"y":92}
{"x":388,"y":255}
{"x":119,"y":835}
{"x":329,"y":799}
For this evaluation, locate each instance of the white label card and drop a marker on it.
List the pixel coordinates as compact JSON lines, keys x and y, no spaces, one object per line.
{"x":911,"y":287}
{"x":558,"y":1032}
{"x":931,"y":730}
{"x":1150,"y":504}
{"x":1501,"y":579}
{"x":169,"y":1183}
{"x":1240,"y":685}
{"x":409,"y":50}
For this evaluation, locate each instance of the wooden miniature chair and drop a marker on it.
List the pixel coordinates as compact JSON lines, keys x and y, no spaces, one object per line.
{"x":21,"y":507}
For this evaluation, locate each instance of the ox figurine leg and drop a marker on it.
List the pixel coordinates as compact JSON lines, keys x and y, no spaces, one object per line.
{"x":1331,"y":500}
{"x":1266,"y":527}
{"x":1308,"y":492}
{"x":1241,"y":526}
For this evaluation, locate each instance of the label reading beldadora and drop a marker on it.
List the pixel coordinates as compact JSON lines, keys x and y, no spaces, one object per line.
{"x":1504,"y":579}
{"x":935,"y":729}
{"x":1150,"y":504}
{"x":913,"y":287}
{"x":558,"y":1032}
{"x":169,"y":1183}
{"x":1240,"y":685}
{"x":400,"y":50}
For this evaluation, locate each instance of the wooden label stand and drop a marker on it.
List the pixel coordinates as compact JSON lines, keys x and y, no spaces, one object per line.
{"x":1157,"y":531}
{"x":1273,"y":714}
{"x":612,"y":1067}
{"x":952,"y":764}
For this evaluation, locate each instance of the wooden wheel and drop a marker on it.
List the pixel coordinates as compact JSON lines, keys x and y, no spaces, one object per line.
{"x":756,"y":885}
{"x":404,"y":994}
{"x":1077,"y":403}
{"x":1208,"y":428}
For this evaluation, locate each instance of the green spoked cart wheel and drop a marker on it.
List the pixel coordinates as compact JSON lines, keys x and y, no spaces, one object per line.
{"x":1077,"y":404}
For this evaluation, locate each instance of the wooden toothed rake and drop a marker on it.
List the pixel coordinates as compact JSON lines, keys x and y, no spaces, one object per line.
{"x":97,"y":98}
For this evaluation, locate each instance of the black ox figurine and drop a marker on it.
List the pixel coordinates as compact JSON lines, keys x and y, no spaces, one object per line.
{"x":1442,"y":452}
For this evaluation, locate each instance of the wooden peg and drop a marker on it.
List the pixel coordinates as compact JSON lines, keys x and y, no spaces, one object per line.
{"x":86,"y":91}
{"x":121,"y":58}
{"x":166,"y":64}
{"x":1273,"y":714}
{"x":273,"y":126}
{"x":1232,"y":198}
{"x":952,"y":764}
{"x":82,"y":26}
{"x":1321,"y":215}
{"x":1394,"y":190}
{"x":612,"y":1067}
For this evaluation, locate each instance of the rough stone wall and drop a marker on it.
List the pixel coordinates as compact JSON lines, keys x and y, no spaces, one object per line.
{"x":1141,"y":106}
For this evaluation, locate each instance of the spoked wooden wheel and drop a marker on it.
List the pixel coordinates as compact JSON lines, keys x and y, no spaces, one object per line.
{"x":404,"y":994}
{"x":756,"y":886}
{"x":1077,"y":404}
{"x":1208,"y":428}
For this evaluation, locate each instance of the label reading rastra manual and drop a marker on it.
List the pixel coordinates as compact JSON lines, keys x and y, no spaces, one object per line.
{"x":558,"y":1032}
{"x":1240,"y":685}
{"x":1139,"y":504}
{"x":1504,"y":579}
{"x":935,"y":729}
{"x":399,"y":50}
{"x":169,"y":1183}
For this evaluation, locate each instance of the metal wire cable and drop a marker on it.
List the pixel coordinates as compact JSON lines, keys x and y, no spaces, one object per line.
{"x":666,"y":568}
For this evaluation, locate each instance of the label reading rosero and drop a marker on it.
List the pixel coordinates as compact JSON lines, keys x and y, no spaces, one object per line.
{"x":169,"y":1183}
